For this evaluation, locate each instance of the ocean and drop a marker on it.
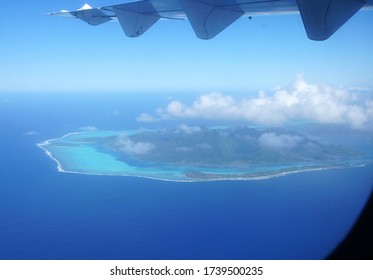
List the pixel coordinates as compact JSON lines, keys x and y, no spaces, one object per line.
{"x":45,"y":214}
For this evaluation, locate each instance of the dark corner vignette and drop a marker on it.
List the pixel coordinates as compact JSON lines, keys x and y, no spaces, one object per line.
{"x":358,"y":244}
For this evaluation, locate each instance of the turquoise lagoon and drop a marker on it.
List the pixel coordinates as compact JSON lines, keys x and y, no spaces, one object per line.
{"x":76,"y":153}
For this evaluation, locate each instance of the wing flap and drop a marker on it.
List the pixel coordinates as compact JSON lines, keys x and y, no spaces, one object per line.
{"x":136,"y":18}
{"x":208,"y":19}
{"x":321,"y":18}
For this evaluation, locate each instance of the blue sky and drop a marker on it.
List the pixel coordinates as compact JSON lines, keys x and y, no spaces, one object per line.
{"x":41,"y":53}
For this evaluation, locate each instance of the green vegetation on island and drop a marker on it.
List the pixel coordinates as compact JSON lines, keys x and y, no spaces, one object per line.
{"x":236,"y":147}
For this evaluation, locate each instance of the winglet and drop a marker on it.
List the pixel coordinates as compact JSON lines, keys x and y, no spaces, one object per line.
{"x":85,"y":7}
{"x":207,"y":19}
{"x":321,"y":18}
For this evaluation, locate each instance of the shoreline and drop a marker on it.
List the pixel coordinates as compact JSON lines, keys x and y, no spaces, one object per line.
{"x":49,"y":154}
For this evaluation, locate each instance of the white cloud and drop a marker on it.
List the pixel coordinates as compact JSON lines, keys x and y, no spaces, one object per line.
{"x":30,"y":133}
{"x":189,"y":129}
{"x":88,"y":128}
{"x":279,"y":141}
{"x":205,"y":106}
{"x":357,"y":116}
{"x":301,"y":100}
{"x":144,"y":117}
{"x":124,"y":144}
{"x":369,"y":105}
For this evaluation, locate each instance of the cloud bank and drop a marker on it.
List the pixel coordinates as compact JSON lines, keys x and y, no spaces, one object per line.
{"x":300,"y":101}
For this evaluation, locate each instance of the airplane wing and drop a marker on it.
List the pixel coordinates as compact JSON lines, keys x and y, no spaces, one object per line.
{"x":321,"y":18}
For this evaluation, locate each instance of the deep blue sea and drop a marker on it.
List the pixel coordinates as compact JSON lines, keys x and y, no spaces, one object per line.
{"x":45,"y":214}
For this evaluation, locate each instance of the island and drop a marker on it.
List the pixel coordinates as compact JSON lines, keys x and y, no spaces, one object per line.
{"x":197,"y":153}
